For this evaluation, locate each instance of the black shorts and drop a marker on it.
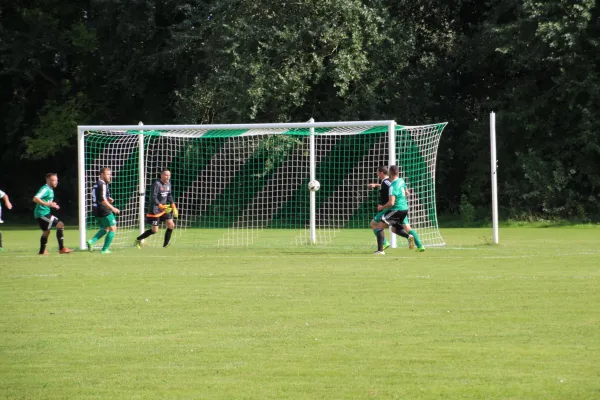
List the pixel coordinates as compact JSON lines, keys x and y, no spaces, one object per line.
{"x":154,"y":221}
{"x":46,"y":222}
{"x":395,"y":217}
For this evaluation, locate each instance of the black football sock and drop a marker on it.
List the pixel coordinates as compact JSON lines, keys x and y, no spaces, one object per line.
{"x":380,"y":236}
{"x":401,"y":232}
{"x":168,"y":234}
{"x":60,"y":236}
{"x":144,"y":235}
{"x":43,"y":242}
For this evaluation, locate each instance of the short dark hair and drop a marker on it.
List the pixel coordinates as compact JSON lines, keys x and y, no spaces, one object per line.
{"x":383,"y":169}
{"x":164,"y":170}
{"x":103,"y":170}
{"x":50,"y":174}
{"x":394,"y":170}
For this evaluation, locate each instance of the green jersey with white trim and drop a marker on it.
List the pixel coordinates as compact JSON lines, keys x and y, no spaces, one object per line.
{"x":46,"y":194}
{"x":2,"y":194}
{"x":397,"y":189}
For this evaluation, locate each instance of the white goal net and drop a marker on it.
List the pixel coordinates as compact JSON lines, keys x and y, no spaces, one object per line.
{"x":248,"y":184}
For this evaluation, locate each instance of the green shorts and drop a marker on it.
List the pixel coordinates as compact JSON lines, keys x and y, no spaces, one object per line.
{"x":377,"y":217}
{"x":106,"y":222}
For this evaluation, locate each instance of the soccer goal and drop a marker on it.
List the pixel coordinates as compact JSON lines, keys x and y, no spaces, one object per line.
{"x":248,"y":184}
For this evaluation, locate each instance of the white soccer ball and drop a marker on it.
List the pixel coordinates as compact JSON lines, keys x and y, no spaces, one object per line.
{"x":313,"y":186}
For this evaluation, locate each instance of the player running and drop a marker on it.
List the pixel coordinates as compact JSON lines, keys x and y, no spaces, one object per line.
{"x":396,"y":213}
{"x":384,"y":194}
{"x":104,"y":211}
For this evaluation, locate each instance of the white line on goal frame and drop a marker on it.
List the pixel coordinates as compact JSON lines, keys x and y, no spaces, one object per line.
{"x":290,"y":125}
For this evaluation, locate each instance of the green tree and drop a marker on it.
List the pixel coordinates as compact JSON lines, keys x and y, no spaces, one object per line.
{"x":551,"y":53}
{"x":282,"y":61}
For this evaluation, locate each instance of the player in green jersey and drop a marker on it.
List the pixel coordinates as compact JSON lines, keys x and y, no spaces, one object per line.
{"x":44,"y":202}
{"x":384,"y":196}
{"x":396,"y":213}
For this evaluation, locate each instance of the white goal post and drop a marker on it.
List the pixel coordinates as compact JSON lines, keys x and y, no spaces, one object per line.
{"x":242,"y":182}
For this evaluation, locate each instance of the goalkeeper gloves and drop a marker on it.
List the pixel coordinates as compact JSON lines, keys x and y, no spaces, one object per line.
{"x":166,"y":208}
{"x":169,"y":208}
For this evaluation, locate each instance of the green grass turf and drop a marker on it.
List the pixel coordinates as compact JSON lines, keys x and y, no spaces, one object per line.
{"x":520,"y":320}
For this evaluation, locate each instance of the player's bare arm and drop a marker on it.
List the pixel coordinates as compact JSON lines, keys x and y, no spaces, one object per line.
{"x":7,"y":201}
{"x":389,"y":204}
{"x":107,"y":204}
{"x":41,"y":202}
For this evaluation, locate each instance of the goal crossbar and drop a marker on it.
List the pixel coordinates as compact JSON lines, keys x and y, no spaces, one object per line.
{"x":290,"y":125}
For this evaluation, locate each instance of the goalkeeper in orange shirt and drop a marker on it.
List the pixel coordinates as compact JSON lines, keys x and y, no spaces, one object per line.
{"x":162,"y":209}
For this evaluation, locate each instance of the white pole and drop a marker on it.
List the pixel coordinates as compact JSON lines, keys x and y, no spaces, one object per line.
{"x":392,"y":161}
{"x":494,"y":165}
{"x":81,"y":186}
{"x":142,"y":182}
{"x":313,"y":195}
{"x":291,"y":125}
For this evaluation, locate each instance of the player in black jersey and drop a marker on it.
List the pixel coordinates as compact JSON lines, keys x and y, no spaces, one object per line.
{"x":162,"y":208}
{"x":384,"y":194}
{"x":104,"y":211}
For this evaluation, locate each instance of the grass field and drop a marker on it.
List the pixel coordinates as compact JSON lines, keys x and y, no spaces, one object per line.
{"x":520,"y":320}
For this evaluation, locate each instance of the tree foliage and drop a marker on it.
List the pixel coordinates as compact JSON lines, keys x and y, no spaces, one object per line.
{"x":229,"y":61}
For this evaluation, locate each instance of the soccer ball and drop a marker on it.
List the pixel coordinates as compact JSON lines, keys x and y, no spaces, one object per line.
{"x":313,"y":186}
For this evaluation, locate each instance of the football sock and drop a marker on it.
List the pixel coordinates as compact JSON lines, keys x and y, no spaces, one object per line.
{"x":144,"y":235}
{"x":380,"y":237}
{"x":167,"y":237}
{"x":401,"y":232}
{"x":98,"y":236}
{"x":109,"y":238}
{"x":417,"y":241}
{"x":60,"y":236}
{"x":384,"y":239}
{"x":43,"y":242}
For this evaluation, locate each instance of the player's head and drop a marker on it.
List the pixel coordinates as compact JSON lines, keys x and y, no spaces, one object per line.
{"x":382,"y":172}
{"x":394,"y":171}
{"x":52,"y":180}
{"x":105,"y":174}
{"x":165,"y":176}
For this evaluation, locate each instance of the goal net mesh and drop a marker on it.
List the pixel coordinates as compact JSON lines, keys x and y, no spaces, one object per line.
{"x":250,"y":186}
